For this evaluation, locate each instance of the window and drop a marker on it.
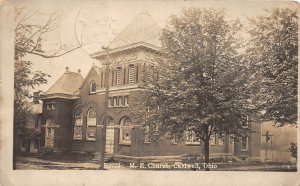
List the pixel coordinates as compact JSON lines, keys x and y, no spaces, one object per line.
{"x":220,"y":140}
{"x":78,"y":124}
{"x":147,"y":134}
{"x":174,"y":140}
{"x":137,"y":73}
{"x":109,"y":103}
{"x":115,"y":100}
{"x":131,"y":74}
{"x":213,"y":139}
{"x":120,"y":101}
{"x":244,"y":143}
{"x":93,"y":87}
{"x":112,"y":77}
{"x":125,"y":130}
{"x":246,"y":122}
{"x":191,"y":138}
{"x":110,"y":121}
{"x":126,"y":101}
{"x":91,"y":124}
{"x":50,"y":106}
{"x":150,"y":73}
{"x":49,"y":127}
{"x":124,"y":77}
{"x":118,"y":76}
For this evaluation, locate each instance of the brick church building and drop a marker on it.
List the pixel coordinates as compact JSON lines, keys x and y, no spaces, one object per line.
{"x":73,"y":108}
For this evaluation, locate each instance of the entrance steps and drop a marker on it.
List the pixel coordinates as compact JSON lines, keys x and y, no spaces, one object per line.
{"x":43,"y":151}
{"x":97,"y":157}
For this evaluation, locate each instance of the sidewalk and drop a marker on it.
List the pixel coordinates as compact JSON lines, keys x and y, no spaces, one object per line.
{"x":31,"y":163}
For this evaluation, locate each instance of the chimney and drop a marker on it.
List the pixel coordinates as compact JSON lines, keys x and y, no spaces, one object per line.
{"x":35,"y":97}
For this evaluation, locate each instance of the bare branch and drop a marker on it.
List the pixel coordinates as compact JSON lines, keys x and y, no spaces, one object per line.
{"x":45,"y":55}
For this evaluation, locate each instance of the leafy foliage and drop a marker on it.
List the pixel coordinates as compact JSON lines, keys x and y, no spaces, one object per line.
{"x":273,"y":53}
{"x":293,"y":150}
{"x":202,"y":83}
{"x":25,"y":80}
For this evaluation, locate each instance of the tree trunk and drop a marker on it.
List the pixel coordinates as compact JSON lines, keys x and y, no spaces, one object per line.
{"x":206,"y":149}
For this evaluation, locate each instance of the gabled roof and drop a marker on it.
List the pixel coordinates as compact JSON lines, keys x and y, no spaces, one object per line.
{"x":143,"y":30}
{"x":67,"y":84}
{"x":96,"y":68}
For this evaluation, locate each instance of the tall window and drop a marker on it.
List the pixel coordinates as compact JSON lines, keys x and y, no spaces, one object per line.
{"x":246,"y":122}
{"x":244,"y":143}
{"x":191,"y":137}
{"x":126,"y":101}
{"x":131,"y":74}
{"x":213,"y":139}
{"x":221,"y":140}
{"x":78,"y":124}
{"x":147,"y":134}
{"x":118,"y":76}
{"x":91,"y":124}
{"x":115,"y":101}
{"x":120,"y":101}
{"x":125,"y":130}
{"x":110,"y":102}
{"x":150,"y":73}
{"x":49,"y":126}
{"x":93,"y":87}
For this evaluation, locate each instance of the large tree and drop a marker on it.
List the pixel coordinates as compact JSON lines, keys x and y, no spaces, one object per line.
{"x":273,"y":54}
{"x":32,"y":28}
{"x":201,"y":84}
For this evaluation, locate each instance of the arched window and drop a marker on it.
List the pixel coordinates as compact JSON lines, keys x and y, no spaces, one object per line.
{"x":78,"y":124}
{"x":91,"y":124}
{"x":93,"y":87}
{"x":125,"y":130}
{"x":110,"y":121}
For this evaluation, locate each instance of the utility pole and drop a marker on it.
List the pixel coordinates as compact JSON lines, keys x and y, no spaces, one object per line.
{"x":105,"y":119}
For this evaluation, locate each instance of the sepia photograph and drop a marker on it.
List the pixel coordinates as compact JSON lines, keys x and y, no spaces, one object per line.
{"x":149,"y":86}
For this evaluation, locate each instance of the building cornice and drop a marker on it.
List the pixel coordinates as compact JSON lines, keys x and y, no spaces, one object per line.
{"x":141,"y":44}
{"x":58,"y":95}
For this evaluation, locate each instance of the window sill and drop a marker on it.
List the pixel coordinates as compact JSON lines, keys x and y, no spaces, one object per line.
{"x":90,"y":140}
{"x":123,"y":143}
{"x":77,"y":139}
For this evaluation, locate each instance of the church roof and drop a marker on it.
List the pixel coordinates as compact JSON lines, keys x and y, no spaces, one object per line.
{"x":67,"y":84}
{"x":143,"y":30}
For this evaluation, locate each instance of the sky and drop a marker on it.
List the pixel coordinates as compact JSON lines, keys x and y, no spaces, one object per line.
{"x":98,"y":22}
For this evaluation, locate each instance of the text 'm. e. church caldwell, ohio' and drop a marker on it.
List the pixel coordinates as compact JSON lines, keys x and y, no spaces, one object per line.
{"x":73,"y":108}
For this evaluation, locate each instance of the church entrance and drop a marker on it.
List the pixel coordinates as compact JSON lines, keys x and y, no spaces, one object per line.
{"x":110,"y":140}
{"x":49,"y":136}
